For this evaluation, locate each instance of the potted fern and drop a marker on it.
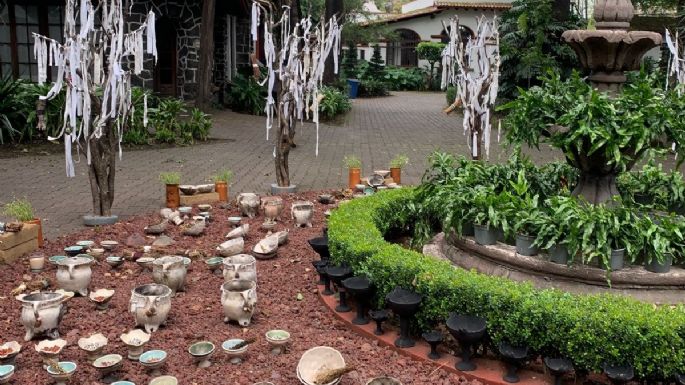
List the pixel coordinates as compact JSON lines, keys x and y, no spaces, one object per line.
{"x":221,"y":180}
{"x":396,"y":165}
{"x":21,"y":211}
{"x":173,"y":196}
{"x":354,"y":167}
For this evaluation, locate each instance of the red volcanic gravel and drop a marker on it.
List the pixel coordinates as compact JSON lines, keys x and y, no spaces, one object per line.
{"x":197,"y":314}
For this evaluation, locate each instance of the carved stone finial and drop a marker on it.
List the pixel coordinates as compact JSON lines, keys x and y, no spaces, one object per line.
{"x":613,"y":14}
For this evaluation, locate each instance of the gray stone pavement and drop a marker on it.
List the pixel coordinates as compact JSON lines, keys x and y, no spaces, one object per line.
{"x":375,"y":130}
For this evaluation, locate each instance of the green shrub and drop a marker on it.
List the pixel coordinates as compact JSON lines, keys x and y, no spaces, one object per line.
{"x":373,"y":88}
{"x":405,"y":79}
{"x":588,"y":329}
{"x":19,"y":209}
{"x":170,"y":177}
{"x":246,"y":95}
{"x":334,"y":103}
{"x":450,"y":95}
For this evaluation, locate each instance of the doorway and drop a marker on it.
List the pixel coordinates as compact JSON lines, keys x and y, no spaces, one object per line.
{"x":165,"y":70}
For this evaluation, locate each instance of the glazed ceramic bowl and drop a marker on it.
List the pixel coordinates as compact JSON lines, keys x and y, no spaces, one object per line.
{"x":204,"y":207}
{"x":235,"y":354}
{"x":101,"y":297}
{"x":67,"y":370}
{"x":96,"y":252}
{"x":164,"y":380}
{"x":87,"y":244}
{"x":153,"y":359}
{"x":188,"y":189}
{"x":108,"y":363}
{"x":56,"y":258}
{"x":9,"y":351}
{"x":73,"y":251}
{"x":6,"y":373}
{"x":109,"y":245}
{"x":201,"y":349}
{"x":316,"y":360}
{"x":123,"y":383}
{"x":277,"y":337}
{"x":145,"y":262}
{"x":185,"y":210}
{"x":235,"y":221}
{"x":214,"y":263}
{"x":114,"y":260}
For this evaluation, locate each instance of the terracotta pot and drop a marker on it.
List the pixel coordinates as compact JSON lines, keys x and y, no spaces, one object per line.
{"x":222,"y":189}
{"x":173,"y":197}
{"x":36,"y":221}
{"x":354,"y":178}
{"x":396,"y":174}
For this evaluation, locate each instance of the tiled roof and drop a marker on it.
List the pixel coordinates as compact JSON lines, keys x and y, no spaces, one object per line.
{"x":504,"y":4}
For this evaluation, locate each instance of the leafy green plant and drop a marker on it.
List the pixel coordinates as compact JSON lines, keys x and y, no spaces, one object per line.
{"x":399,"y":161}
{"x":662,"y":235}
{"x":11,"y":117}
{"x":405,"y":79}
{"x":19,"y":209}
{"x":225,"y":175}
{"x":450,"y":95}
{"x":333,"y":103}
{"x":349,"y":63}
{"x":246,"y":95}
{"x":170,"y":177}
{"x":352,"y":161}
{"x":431,"y":52}
{"x":373,"y":88}
{"x":200,"y":124}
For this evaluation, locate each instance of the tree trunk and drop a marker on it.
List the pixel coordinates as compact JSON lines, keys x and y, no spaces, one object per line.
{"x":333,"y":7}
{"x":596,"y":189}
{"x":206,"y":65}
{"x":562,"y":9}
{"x":283,"y":143}
{"x":101,"y":171}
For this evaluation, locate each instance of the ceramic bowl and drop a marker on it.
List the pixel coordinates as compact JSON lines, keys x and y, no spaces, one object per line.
{"x":88,"y":257}
{"x":114,"y":260}
{"x":204,"y":207}
{"x":188,"y":189}
{"x":187,"y":261}
{"x":317,"y":359}
{"x":85,"y":244}
{"x":109,"y":245}
{"x":384,"y":381}
{"x":205,"y":188}
{"x":73,"y":251}
{"x":153,"y":358}
{"x":164,"y":380}
{"x":235,"y":221}
{"x":268,"y":225}
{"x":93,"y":343}
{"x":214,"y":262}
{"x":96,"y":252}
{"x":56,"y":258}
{"x":201,"y":349}
{"x":101,"y":297}
{"x":9,"y":350}
{"x":145,"y":262}
{"x":235,"y":354}
{"x":185,"y":210}
{"x":67,"y":369}
{"x":108,"y":363}
{"x":277,"y":337}
{"x":383,"y":173}
{"x":123,"y":383}
{"x":6,"y":372}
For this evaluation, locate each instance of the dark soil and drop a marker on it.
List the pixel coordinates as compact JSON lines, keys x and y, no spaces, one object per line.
{"x":197,"y":313}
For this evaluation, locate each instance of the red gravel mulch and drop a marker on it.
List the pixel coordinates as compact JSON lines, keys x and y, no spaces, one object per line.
{"x":197,"y":314}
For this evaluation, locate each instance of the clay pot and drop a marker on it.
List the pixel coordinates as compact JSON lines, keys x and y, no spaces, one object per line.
{"x":248,"y":203}
{"x":241,"y":266}
{"x":272,"y":206}
{"x":73,"y":274}
{"x":150,"y":305}
{"x":302,"y":213}
{"x":396,"y":174}
{"x":173,"y":196}
{"x":41,"y":313}
{"x":36,"y":221}
{"x":354,"y":178}
{"x":222,"y":189}
{"x":238,"y":298}
{"x":170,"y":271}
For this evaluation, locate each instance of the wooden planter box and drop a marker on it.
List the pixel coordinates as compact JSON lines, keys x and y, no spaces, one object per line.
{"x":206,"y":198}
{"x":14,"y":245}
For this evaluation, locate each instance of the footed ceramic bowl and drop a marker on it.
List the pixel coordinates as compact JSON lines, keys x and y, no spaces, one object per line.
{"x":316,"y":359}
{"x":185,"y":210}
{"x":235,"y":354}
{"x":277,"y":337}
{"x":108,"y":363}
{"x":114,"y":260}
{"x":73,"y":251}
{"x":235,"y":221}
{"x":6,"y":373}
{"x":87,"y":244}
{"x":67,"y":369}
{"x":96,"y":252}
{"x":204,"y":207}
{"x":56,"y":258}
{"x":153,"y":358}
{"x":123,"y":383}
{"x":164,"y":380}
{"x":109,"y":245}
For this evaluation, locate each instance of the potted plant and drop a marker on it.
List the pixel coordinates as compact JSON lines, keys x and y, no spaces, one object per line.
{"x":528,"y":219}
{"x":354,"y":166}
{"x":171,"y":180}
{"x":490,"y":214}
{"x":396,"y":165}
{"x":21,"y":211}
{"x":557,"y":231}
{"x":221,"y":180}
{"x":662,"y":239}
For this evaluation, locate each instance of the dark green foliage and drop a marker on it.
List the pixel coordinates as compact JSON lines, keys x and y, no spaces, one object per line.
{"x":588,"y":329}
{"x":372,"y":88}
{"x":450,"y":95}
{"x":432,"y":52}
{"x":530,"y":44}
{"x":405,"y":79}
{"x":349,"y":62}
{"x":246,"y":95}
{"x":376,"y":70}
{"x":334,"y":103}
{"x":134,"y":131}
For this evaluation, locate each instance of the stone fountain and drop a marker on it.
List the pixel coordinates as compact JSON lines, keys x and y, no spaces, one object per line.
{"x":607,"y":52}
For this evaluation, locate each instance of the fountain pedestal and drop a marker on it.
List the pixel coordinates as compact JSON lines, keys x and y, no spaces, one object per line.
{"x":469,"y":331}
{"x":404,"y":303}
{"x":337,"y":274}
{"x":360,"y":287}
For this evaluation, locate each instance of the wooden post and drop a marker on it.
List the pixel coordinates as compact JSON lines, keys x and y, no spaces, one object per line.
{"x":205,"y":70}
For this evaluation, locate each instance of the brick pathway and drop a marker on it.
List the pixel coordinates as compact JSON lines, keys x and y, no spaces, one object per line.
{"x":375,"y":130}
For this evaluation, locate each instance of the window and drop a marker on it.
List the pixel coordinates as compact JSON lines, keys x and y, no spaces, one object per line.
{"x":362,"y":54}
{"x":18,"y":21}
{"x":403,"y":51}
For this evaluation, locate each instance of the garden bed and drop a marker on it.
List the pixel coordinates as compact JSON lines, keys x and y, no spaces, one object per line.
{"x":197,"y":314}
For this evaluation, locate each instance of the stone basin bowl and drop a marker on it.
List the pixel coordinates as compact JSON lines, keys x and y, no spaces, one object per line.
{"x":316,"y":360}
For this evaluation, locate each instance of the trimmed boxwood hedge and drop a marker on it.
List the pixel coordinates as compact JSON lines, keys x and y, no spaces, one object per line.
{"x":589,"y":329}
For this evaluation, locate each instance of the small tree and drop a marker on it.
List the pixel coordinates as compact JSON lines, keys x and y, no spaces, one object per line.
{"x":431,"y":52}
{"x":376,"y":69}
{"x":350,"y":60}
{"x":94,"y":66}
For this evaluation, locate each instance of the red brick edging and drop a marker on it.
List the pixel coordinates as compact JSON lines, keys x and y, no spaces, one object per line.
{"x":488,"y":372}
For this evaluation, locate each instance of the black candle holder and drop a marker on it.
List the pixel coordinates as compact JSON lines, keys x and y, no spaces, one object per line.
{"x":337,"y":274}
{"x":469,"y":331}
{"x":434,"y":338}
{"x":379,"y":316}
{"x":320,"y":267}
{"x":404,"y":303}
{"x":558,"y":367}
{"x":515,"y":357}
{"x":320,"y":246}
{"x":360,"y":287}
{"x":619,"y":374}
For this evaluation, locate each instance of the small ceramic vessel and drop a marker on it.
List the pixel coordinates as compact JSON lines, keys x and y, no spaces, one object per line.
{"x":153,"y":361}
{"x":135,"y":340}
{"x":239,"y":232}
{"x":234,"y":221}
{"x":360,"y":187}
{"x":202,"y":351}
{"x":93,"y":345}
{"x":188,"y":189}
{"x":326,"y":199}
{"x":123,"y":383}
{"x":74,"y":273}
{"x":171,"y":271}
{"x":150,"y":305}
{"x":278,"y":339}
{"x":272,"y":207}
{"x":164,"y":380}
{"x":248,"y":203}
{"x":8,"y":352}
{"x":205,"y":188}
{"x":235,"y":354}
{"x":114,"y":261}
{"x":108,"y":365}
{"x":266,"y":248}
{"x":101,"y":297}
{"x":240,"y":266}
{"x":49,"y":350}
{"x":238,"y":299}
{"x":56,"y":258}
{"x":145,"y":263}
{"x":214,"y":264}
{"x":96,"y":252}
{"x":87,"y":244}
{"x":302,"y":213}
{"x":73,"y":251}
{"x":63,"y":373}
{"x":6,"y":373}
{"x":109,"y":245}
{"x":204,"y":207}
{"x":41,"y":313}
{"x":268,"y":225}
{"x":317,"y":359}
{"x":231,"y":247}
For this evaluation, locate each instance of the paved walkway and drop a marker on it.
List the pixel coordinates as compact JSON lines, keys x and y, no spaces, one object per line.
{"x":375,"y":130}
